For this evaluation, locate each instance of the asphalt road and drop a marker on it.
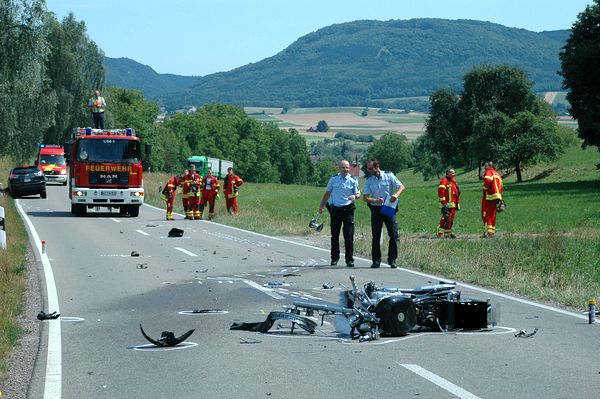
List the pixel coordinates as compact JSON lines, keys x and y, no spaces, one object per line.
{"x":103,"y":293}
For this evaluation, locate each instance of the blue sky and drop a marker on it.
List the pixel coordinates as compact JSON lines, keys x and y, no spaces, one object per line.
{"x":199,"y":37}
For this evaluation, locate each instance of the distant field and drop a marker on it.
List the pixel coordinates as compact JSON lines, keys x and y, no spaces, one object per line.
{"x":343,"y":119}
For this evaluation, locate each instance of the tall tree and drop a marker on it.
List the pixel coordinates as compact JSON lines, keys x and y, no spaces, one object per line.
{"x":26,"y":99}
{"x":494,"y":118}
{"x":392,"y":151}
{"x":580,"y":63}
{"x":441,"y":126}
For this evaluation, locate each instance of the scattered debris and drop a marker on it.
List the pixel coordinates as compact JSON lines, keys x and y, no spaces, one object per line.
{"x":167,"y":338}
{"x":175,"y":232}
{"x":151,"y":225}
{"x":302,"y":321}
{"x":291,"y":275}
{"x":48,"y":316}
{"x":328,"y":286}
{"x":141,"y":266}
{"x":525,"y":334}
{"x":134,"y":253}
{"x":207,"y":311}
{"x":202,"y":271}
{"x":249,"y":341}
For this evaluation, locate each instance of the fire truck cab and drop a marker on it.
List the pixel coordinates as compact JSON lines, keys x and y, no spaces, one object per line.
{"x":52,"y":162}
{"x":105,"y":170}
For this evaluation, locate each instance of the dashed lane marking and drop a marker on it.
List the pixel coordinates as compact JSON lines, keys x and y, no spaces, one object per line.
{"x":439,"y":381}
{"x":185,"y":251}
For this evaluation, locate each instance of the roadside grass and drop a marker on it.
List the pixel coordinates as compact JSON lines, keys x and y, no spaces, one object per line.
{"x":548,"y":242}
{"x":13,"y":274}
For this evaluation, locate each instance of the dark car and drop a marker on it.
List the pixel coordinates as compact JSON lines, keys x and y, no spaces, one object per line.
{"x":26,"y":180}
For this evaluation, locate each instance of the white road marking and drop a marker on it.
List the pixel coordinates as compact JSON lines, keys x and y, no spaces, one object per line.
{"x":142,"y":232}
{"x":440,"y":382}
{"x":115,"y":220}
{"x":270,"y":292}
{"x":185,"y":251}
{"x":52,"y":385}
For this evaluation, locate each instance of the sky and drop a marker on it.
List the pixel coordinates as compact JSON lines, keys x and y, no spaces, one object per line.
{"x":200,"y":37}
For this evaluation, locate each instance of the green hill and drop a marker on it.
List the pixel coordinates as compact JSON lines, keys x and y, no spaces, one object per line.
{"x":366,"y":62}
{"x":124,"y":72}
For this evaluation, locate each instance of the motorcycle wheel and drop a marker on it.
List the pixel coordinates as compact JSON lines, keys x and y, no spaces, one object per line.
{"x":397,"y":315}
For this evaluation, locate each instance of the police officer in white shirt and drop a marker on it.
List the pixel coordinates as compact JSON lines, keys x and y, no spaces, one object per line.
{"x":379,"y":186}
{"x":340,"y":194}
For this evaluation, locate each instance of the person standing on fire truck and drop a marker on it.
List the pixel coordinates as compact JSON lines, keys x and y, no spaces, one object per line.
{"x":97,"y":105}
{"x":449,"y":196}
{"x":210,"y":190}
{"x":168,"y":194}
{"x":232,"y":183}
{"x":492,"y":198}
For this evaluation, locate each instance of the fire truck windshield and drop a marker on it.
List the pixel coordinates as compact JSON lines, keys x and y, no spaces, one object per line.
{"x":49,"y":159}
{"x":109,"y":150}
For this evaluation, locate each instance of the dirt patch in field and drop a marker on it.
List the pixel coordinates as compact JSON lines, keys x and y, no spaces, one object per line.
{"x":550,"y":96}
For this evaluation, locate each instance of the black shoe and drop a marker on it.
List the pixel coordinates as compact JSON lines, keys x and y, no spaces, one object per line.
{"x":375,"y":264}
{"x":393,"y":264}
{"x":350,"y":264}
{"x":333,"y":262}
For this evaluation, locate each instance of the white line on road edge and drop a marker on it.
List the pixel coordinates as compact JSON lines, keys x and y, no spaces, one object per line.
{"x":440,"y":382}
{"x":142,"y":232}
{"x":185,"y":251}
{"x":52,"y":386}
{"x":429,"y":276}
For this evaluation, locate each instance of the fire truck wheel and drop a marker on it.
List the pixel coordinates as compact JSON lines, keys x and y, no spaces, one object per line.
{"x":134,"y":211}
{"x":78,"y":209}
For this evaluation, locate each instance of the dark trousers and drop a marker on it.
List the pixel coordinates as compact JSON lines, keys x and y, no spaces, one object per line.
{"x":98,"y":120}
{"x":342,"y":215}
{"x":377,"y":222}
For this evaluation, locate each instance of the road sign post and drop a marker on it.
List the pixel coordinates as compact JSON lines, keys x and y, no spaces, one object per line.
{"x":2,"y":231}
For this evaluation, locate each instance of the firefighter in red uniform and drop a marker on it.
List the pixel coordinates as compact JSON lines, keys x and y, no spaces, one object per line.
{"x":232,"y":183}
{"x":195,"y":193}
{"x":492,"y":198}
{"x":185,"y":188}
{"x":168,"y":194}
{"x":210,"y":190}
{"x":449,"y":196}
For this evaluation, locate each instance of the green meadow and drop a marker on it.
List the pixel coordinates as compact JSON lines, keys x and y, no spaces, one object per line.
{"x":548,"y":242}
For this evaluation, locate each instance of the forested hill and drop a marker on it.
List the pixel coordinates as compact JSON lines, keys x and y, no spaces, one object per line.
{"x":124,"y":72}
{"x":362,"y":62}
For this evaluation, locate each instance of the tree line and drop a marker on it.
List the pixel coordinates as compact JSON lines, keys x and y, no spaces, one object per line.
{"x":48,"y":69}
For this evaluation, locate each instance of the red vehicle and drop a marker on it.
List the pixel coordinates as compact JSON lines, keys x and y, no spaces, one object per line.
{"x":52,"y":162}
{"x":105,"y":170}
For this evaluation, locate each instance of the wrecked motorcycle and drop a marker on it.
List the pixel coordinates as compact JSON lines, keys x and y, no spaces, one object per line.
{"x":374,"y":311}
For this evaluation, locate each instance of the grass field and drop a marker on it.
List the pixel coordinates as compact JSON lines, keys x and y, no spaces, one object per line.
{"x":548,"y":242}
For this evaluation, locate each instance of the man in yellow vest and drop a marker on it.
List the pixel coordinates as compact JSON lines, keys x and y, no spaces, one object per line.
{"x":97,"y":104}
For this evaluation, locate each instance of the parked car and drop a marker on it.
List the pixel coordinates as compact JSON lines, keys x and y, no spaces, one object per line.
{"x":26,"y":180}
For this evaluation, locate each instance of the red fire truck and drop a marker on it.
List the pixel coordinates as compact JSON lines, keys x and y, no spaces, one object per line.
{"x":105,"y":168}
{"x":51,"y":161}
